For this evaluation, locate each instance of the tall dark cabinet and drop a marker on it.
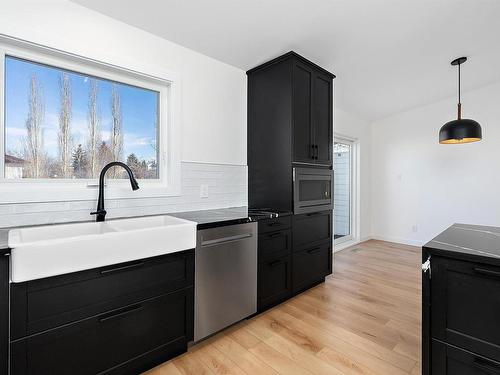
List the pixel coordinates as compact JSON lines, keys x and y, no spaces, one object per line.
{"x":290,"y":125}
{"x":290,"y":122}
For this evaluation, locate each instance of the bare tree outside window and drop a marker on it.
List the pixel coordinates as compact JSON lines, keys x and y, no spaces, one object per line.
{"x":116,"y":127}
{"x":34,"y":149}
{"x":94,"y":127}
{"x":64,"y":125}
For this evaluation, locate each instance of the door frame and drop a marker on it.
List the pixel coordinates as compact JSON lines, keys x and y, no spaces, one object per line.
{"x":354,"y":192}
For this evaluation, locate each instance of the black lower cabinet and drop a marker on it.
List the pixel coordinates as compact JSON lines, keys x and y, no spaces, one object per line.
{"x":450,"y":360}
{"x":43,"y":304}
{"x":108,"y":341}
{"x":4,"y":311}
{"x":274,"y":283}
{"x":128,"y":339}
{"x":295,"y":253}
{"x":311,"y":266}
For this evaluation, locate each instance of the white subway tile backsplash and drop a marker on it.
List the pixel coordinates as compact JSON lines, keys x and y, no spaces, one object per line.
{"x":227,"y":184}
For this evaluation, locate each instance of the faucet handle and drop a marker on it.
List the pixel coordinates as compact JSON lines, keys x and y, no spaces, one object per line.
{"x":99,"y":212}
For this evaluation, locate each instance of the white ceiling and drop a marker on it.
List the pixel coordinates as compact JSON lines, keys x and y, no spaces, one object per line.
{"x":388,"y":55}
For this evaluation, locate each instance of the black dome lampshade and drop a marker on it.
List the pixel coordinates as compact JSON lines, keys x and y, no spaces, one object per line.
{"x":460,"y":130}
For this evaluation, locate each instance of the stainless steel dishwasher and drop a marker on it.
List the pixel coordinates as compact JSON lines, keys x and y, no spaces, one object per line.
{"x":225,"y":277}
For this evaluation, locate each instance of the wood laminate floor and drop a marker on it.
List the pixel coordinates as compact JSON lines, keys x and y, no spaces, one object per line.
{"x":365,"y":319}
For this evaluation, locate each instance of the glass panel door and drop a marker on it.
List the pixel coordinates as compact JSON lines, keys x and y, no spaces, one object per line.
{"x":342,"y":197}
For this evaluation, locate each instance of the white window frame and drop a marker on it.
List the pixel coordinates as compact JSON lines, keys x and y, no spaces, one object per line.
{"x":49,"y":190}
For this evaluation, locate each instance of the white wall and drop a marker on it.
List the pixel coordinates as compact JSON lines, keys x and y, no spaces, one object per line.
{"x":213,"y":98}
{"x":358,"y":129}
{"x":420,"y":187}
{"x":213,"y":93}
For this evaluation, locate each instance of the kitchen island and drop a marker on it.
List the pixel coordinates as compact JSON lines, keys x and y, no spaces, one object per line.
{"x":461,"y":301}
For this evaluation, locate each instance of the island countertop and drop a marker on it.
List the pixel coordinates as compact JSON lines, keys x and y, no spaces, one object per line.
{"x":467,"y":242}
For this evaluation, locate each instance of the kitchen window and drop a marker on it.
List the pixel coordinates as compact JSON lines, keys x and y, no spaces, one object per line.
{"x":64,"y":117}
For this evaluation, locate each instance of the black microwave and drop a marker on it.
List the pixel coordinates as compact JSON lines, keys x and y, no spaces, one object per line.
{"x":312,"y":190}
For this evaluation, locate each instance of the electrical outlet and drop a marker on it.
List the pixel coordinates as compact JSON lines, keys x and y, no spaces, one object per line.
{"x":204,"y":191}
{"x":414,"y":228}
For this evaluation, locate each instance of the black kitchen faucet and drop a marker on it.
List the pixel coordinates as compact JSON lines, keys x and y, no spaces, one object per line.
{"x":101,"y":212}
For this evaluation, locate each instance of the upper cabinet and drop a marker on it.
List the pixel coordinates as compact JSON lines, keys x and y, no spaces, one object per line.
{"x":312,"y":114}
{"x":303,"y":129}
{"x":323,"y":118}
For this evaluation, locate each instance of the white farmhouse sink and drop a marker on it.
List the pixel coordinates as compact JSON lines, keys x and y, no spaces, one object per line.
{"x":51,"y":250}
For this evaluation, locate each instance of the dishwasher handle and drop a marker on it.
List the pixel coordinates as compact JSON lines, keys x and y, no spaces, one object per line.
{"x":224,"y":240}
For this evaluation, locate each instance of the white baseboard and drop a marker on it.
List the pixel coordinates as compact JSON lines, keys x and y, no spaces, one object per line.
{"x":345,"y":245}
{"x":403,"y":241}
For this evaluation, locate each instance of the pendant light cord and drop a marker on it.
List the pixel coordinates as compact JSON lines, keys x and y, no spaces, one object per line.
{"x":459,"y":84}
{"x":459,"y":107}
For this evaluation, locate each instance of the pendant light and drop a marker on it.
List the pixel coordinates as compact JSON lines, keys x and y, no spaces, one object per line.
{"x":461,"y":130}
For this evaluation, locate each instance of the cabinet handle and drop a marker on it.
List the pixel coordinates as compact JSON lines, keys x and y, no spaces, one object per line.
{"x":314,"y":250}
{"x":275,"y":235}
{"x":314,"y":213}
{"x":275,"y":263}
{"x":224,"y":240}
{"x":486,"y":272}
{"x":426,"y":266}
{"x":122,"y":268}
{"x":278,"y":224}
{"x":120,"y":313}
{"x":316,"y":147}
{"x":486,"y":365}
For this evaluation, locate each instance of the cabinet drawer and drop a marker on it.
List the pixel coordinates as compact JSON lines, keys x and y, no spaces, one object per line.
{"x":465,"y":300}
{"x":310,"y":266}
{"x":450,"y":360}
{"x":273,"y":282}
{"x":100,"y":343}
{"x":311,"y":229}
{"x":271,"y":225}
{"x":275,"y":244}
{"x":47,"y":303}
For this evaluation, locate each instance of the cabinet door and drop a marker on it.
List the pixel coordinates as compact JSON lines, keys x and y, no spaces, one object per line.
{"x":111,"y":340}
{"x":302,"y":113}
{"x":322,"y":118}
{"x":311,"y":229}
{"x":310,"y":266}
{"x":465,"y":305}
{"x":450,"y":360}
{"x":272,"y":225}
{"x":274,"y":244}
{"x":274,"y":282}
{"x":44,"y":304}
